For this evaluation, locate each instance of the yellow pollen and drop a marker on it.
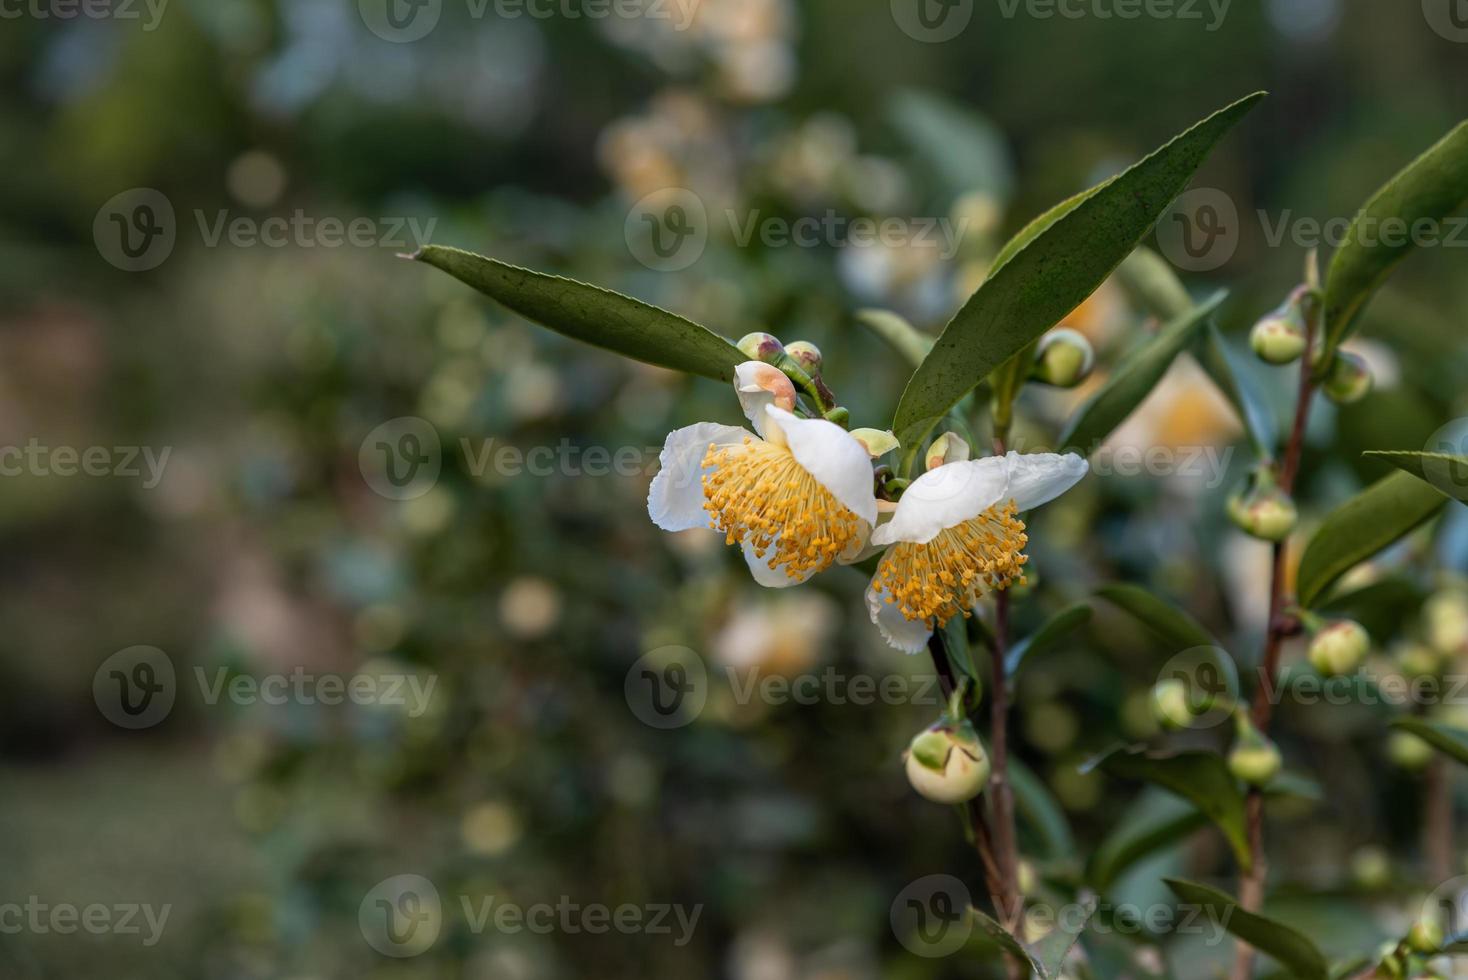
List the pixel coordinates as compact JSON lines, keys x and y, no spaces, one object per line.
{"x":757,"y":493}
{"x":945,"y":577}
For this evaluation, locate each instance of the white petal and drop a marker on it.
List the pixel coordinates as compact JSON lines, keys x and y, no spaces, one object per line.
{"x":758,"y":384}
{"x":909,"y":636}
{"x":1038,"y":478}
{"x":675,"y":499}
{"x":830,"y":454}
{"x":946,"y":497}
{"x":771,"y":578}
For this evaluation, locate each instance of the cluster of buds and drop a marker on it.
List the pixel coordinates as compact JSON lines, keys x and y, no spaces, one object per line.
{"x":801,"y":362}
{"x":1262,"y":509}
{"x":1063,"y":358}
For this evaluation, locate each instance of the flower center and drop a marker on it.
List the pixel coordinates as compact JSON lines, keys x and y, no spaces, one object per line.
{"x":758,"y":494}
{"x":945,"y":577}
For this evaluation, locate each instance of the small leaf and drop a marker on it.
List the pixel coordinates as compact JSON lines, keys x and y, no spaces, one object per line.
{"x":593,"y":315}
{"x":1040,"y":810}
{"x":1430,"y":188}
{"x":1292,"y":949}
{"x":1160,"y":819}
{"x":967,"y":150}
{"x":1446,"y":471}
{"x":1452,"y":742}
{"x":1361,"y":527}
{"x":1240,"y":388}
{"x":1051,"y":276}
{"x":1051,"y":949}
{"x":1201,"y":778}
{"x":1174,"y":626}
{"x":1007,"y":942}
{"x":904,"y":338}
{"x":1133,"y":380}
{"x":1048,"y":636}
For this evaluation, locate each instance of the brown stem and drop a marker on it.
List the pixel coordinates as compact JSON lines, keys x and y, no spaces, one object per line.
{"x":1000,"y":790}
{"x":1437,"y":828}
{"x":1251,"y":883}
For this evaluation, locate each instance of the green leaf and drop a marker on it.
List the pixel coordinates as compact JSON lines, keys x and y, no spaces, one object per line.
{"x":1447,"y":739}
{"x":1240,"y":388}
{"x":1381,"y":607}
{"x":1151,"y":285}
{"x":1446,"y":471}
{"x":1292,"y":949}
{"x":1040,"y":810}
{"x":593,"y":315}
{"x":1361,"y":527}
{"x":1048,"y":636}
{"x":1051,"y":276}
{"x":1429,"y":188}
{"x":1133,"y":380}
{"x":1201,"y":778}
{"x":1051,"y":949}
{"x":1160,"y":819}
{"x":904,"y":338}
{"x":1174,"y":626}
{"x":967,"y":151}
{"x":1007,"y":942}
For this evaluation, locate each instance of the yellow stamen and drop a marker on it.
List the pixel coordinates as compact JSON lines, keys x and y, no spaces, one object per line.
{"x":758,"y":493}
{"x":945,"y":577}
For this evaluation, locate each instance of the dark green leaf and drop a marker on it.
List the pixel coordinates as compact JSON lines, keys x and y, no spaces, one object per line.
{"x":1164,"y":819}
{"x":1133,"y":380}
{"x":1429,"y":188}
{"x":904,"y":338}
{"x":1293,"y":951}
{"x":1361,"y":527}
{"x":1240,"y":388}
{"x":1039,"y":810}
{"x":1048,"y":636}
{"x":1175,"y":627}
{"x":1450,"y":741}
{"x":1007,"y":942}
{"x":593,"y":315}
{"x":1051,"y":949}
{"x":1051,"y":276}
{"x":1201,"y":778}
{"x":1446,"y":471}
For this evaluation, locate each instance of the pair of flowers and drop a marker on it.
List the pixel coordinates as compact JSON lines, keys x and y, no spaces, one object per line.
{"x":798,"y":495}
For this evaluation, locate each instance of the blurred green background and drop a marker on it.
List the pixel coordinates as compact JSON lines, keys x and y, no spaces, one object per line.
{"x":262,"y":547}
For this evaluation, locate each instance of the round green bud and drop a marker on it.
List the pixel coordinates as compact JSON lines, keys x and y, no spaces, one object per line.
{"x":1371,"y":868}
{"x":1418,"y":660}
{"x":1064,"y":358}
{"x":1255,"y":760}
{"x":1265,"y":512}
{"x":1339,"y":648}
{"x":1348,"y":379}
{"x":1408,"y":751}
{"x":1170,"y":704}
{"x":807,"y":355}
{"x":1026,"y":878}
{"x":1425,"y":937}
{"x":1278,"y":339}
{"x":760,"y":346}
{"x":948,"y":764}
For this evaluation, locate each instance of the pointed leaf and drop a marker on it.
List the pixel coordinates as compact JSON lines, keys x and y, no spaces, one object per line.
{"x":1051,"y":276}
{"x":1446,"y":471}
{"x":1447,"y":739}
{"x":1132,"y":381}
{"x":1292,"y":949}
{"x":1361,"y":527}
{"x":1429,"y":189}
{"x":1174,"y":626}
{"x":1240,"y":388}
{"x":904,"y":338}
{"x":1007,"y":942}
{"x":1048,"y":636}
{"x":593,"y":315}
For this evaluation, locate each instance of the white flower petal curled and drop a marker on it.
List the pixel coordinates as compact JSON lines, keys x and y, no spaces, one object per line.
{"x":1038,"y":478}
{"x":907,"y":635}
{"x":830,"y":454}
{"x":758,"y":384}
{"x":943,"y":497}
{"x":675,"y":501}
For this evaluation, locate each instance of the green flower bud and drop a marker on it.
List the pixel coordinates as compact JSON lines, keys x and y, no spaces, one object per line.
{"x":947,"y":763}
{"x":1278,"y":339}
{"x":760,"y":347}
{"x":1371,"y":868}
{"x":1445,"y":617}
{"x":807,"y":355}
{"x":1408,"y":751}
{"x":1254,"y":759}
{"x":1339,"y":648}
{"x":1064,"y":358}
{"x":1348,"y":379}
{"x":1263,"y":510}
{"x":1026,"y":878}
{"x":1425,"y":937}
{"x":1170,"y":704}
{"x":1418,"y":660}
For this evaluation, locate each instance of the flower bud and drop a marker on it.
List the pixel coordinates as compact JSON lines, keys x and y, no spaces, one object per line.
{"x":1348,"y":379}
{"x":947,"y":763}
{"x":1254,"y":759}
{"x":1064,"y":358}
{"x":1339,"y":648}
{"x":758,"y":384}
{"x":1263,"y":510}
{"x":1426,"y":937}
{"x":1170,"y":704}
{"x":1026,"y":878}
{"x":1408,"y":751}
{"x":807,"y":355}
{"x":1418,"y":660}
{"x":760,"y":346}
{"x":1371,"y":868}
{"x":1280,"y":337}
{"x":1445,"y":617}
{"x":947,"y":448}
